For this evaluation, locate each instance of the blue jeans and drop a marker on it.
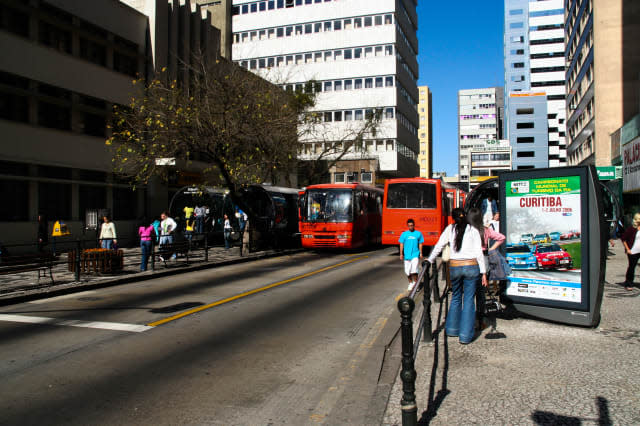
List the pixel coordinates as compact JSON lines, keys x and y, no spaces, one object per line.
{"x":227,"y":238}
{"x":145,"y":246}
{"x":462,"y":311}
{"x":167,"y":239}
{"x":107,"y":244}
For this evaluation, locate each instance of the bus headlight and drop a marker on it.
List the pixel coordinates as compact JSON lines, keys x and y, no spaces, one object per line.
{"x":307,"y":236}
{"x":344,"y":236}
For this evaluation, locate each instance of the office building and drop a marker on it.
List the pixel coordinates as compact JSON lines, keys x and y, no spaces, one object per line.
{"x":425,"y":132}
{"x":478,"y":121}
{"x":534,"y":82}
{"x":602,"y":86}
{"x":66,"y":64}
{"x":362,"y":54}
{"x":486,"y":161}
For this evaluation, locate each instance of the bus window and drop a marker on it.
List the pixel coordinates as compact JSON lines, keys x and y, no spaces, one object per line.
{"x":329,"y":205}
{"x":411,"y":196}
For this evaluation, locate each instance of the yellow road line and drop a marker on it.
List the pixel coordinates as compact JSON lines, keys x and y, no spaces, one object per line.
{"x":248,"y":293}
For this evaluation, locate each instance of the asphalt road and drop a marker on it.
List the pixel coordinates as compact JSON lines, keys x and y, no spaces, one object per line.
{"x":293,"y":340}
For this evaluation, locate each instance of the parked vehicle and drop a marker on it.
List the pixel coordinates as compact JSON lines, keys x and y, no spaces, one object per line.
{"x":341,"y":216}
{"x":427,"y":201}
{"x":520,"y":256}
{"x":552,"y":256}
{"x":555,"y":236}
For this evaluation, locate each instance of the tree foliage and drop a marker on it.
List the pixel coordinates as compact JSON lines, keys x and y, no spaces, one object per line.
{"x":242,"y":129}
{"x":236,"y":127}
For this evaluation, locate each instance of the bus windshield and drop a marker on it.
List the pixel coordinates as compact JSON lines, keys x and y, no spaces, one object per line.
{"x":411,"y":195}
{"x":329,"y":205}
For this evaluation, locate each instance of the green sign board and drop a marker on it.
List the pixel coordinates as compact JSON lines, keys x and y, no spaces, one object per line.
{"x":609,"y":172}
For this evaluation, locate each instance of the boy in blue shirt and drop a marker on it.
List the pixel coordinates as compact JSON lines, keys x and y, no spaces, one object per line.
{"x":411,"y":252}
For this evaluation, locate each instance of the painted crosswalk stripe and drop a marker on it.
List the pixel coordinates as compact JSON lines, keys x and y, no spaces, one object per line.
{"x":117,"y":326}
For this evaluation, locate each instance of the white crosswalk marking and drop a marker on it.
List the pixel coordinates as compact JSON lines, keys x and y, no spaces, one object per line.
{"x":117,"y":326}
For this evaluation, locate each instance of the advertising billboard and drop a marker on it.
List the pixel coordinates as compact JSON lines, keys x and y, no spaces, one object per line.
{"x":556,"y":239}
{"x":543,"y":243}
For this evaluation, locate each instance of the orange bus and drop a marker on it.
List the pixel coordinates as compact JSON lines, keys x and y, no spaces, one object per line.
{"x":426,"y":201}
{"x":341,"y":216}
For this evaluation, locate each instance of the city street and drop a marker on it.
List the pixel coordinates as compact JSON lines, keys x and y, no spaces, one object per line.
{"x":298,"y":339}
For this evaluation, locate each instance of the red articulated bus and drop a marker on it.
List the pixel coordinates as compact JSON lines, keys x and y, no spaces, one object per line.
{"x":427,"y":201}
{"x":341,"y":216}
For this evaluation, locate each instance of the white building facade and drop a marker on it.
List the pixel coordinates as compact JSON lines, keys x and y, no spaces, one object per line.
{"x":487,"y":159}
{"x":362,"y":53}
{"x":478,"y":121}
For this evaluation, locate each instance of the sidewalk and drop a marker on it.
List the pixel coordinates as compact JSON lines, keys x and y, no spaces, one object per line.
{"x":539,"y":373}
{"x":18,"y":287}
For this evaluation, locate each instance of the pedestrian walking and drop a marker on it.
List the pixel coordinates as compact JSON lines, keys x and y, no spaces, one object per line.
{"x":631,"y":244}
{"x":489,"y":208}
{"x":146,"y":236}
{"x":491,"y":240}
{"x":466,"y":265}
{"x":411,"y":242}
{"x":199,"y":213}
{"x":108,"y":234}
{"x":227,"y":232}
{"x":43,"y":232}
{"x":167,"y":227}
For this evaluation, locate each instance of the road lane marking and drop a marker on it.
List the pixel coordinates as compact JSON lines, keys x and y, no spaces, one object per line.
{"x":250,"y":292}
{"x":117,"y":326}
{"x":65,"y":296}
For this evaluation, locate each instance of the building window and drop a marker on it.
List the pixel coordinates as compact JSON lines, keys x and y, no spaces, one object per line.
{"x":527,"y":125}
{"x":348,"y":115}
{"x":358,"y":83}
{"x":516,"y":25}
{"x":338,"y":177}
{"x":55,"y":200}
{"x":16,"y":196}
{"x":525,"y":154}
{"x":517,"y":65}
{"x":388,"y":82}
{"x":525,"y":139}
{"x":348,"y":84}
{"x":524,"y":111}
{"x":514,"y":12}
{"x":366,"y":177}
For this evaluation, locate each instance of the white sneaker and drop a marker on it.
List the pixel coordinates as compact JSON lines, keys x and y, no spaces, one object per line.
{"x":411,"y":286}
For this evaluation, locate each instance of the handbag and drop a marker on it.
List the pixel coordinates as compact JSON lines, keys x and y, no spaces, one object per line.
{"x":446,"y":253}
{"x":446,"y":250}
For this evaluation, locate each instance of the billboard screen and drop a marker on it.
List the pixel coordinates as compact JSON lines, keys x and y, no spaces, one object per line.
{"x":544,"y":244}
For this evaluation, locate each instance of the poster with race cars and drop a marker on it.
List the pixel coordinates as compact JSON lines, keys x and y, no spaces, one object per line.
{"x":543,"y":238}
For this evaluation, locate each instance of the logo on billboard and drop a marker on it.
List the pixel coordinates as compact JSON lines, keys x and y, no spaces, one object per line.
{"x":520,"y":187}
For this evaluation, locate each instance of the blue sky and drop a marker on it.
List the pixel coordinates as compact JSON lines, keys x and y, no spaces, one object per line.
{"x":460,"y":47}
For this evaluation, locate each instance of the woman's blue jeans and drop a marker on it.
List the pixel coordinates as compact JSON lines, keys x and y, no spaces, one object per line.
{"x":227,"y":238}
{"x":146,"y":252}
{"x":462,"y":311}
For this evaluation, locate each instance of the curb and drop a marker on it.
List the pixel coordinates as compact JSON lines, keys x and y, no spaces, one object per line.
{"x":138,"y":277}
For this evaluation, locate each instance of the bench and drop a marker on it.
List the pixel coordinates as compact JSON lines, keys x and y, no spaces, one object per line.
{"x":165,"y":251}
{"x":41,"y":262}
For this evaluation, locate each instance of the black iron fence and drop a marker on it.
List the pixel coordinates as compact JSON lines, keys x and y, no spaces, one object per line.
{"x":428,"y":283}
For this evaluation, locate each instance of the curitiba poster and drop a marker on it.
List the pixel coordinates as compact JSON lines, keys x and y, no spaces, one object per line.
{"x":543,"y":246}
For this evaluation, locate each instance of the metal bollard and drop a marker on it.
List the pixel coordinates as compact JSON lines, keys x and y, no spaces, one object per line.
{"x":206,"y":248}
{"x":406,"y":306}
{"x":77,"y":260}
{"x":427,"y":326}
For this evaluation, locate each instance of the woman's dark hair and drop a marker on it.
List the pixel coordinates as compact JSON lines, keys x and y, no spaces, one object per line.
{"x":459,"y":224}
{"x":474,"y":217}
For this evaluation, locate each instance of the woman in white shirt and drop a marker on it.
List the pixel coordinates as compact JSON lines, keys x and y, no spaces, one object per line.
{"x":107,"y":234}
{"x":466,"y":265}
{"x":227,"y":232}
